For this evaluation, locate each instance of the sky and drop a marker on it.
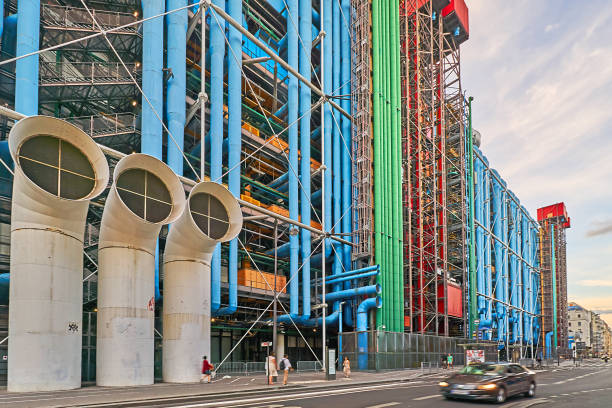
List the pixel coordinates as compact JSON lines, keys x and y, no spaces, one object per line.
{"x":540,"y":73}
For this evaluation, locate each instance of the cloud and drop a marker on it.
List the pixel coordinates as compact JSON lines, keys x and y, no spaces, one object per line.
{"x":602,"y":229}
{"x":604,"y":311}
{"x":595,"y":282}
{"x":551,"y":27}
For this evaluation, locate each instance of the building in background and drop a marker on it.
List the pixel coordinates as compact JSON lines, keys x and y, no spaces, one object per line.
{"x":580,"y":328}
{"x":601,"y":336}
{"x":554,"y":221}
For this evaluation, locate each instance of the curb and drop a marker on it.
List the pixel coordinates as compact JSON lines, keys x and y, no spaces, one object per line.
{"x":221,"y":394}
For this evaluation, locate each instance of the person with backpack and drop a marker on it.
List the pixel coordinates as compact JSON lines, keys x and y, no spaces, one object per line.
{"x":206,"y":368}
{"x":285,"y":366}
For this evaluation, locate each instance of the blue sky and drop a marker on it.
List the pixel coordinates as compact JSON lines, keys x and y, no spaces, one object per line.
{"x":541,"y":75}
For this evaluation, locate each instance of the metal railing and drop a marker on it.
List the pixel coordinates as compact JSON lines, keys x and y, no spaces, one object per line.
{"x":303,"y":366}
{"x":54,"y":16}
{"x":87,"y":73}
{"x":106,"y":124}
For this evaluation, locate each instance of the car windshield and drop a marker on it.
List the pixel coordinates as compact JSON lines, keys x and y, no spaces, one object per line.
{"x":482,"y":369}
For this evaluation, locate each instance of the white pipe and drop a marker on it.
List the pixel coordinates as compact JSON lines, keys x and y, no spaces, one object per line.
{"x":126,"y":277}
{"x":49,"y":210}
{"x":189,"y":248}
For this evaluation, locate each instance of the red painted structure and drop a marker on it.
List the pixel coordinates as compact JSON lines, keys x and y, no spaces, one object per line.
{"x":454,"y":296}
{"x":554,"y":210}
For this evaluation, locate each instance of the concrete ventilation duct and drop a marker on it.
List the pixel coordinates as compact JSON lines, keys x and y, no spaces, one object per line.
{"x":145,"y":195}
{"x":212,"y":215}
{"x":476,"y":138}
{"x":58,"y":169}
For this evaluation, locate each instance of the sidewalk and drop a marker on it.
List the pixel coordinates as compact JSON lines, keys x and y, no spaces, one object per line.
{"x":220,"y":386}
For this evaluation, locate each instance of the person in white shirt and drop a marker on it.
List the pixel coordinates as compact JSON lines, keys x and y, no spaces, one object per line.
{"x":285,"y":365}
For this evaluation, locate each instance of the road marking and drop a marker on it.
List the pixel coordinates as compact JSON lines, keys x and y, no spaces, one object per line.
{"x":388,"y":404}
{"x":233,"y":381}
{"x":427,"y":397}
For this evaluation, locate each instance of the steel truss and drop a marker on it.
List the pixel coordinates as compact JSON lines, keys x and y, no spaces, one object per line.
{"x":433,"y":167}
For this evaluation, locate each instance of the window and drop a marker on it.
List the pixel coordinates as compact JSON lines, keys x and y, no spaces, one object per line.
{"x":579,"y":323}
{"x":579,"y":316}
{"x":516,"y":369}
{"x":570,"y":324}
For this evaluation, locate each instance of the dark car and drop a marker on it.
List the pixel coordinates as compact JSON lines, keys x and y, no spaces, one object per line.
{"x":489,"y":381}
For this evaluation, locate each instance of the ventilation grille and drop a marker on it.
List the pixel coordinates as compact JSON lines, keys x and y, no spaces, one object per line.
{"x":144,"y":194}
{"x":209,"y":215}
{"x":57,"y":167}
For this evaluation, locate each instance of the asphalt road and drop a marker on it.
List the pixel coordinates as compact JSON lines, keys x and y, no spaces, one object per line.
{"x":589,"y":386}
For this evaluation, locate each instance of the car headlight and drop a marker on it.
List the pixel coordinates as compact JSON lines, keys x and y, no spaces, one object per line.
{"x":487,"y":386}
{"x":443,"y":384}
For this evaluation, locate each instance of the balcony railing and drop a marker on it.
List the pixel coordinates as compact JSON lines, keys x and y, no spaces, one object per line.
{"x":87,"y":73}
{"x":73,"y":18}
{"x":106,"y":124}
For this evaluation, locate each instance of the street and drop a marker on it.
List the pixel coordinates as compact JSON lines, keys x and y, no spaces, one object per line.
{"x":588,"y":386}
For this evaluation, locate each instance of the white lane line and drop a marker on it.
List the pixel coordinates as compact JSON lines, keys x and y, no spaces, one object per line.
{"x":289,"y":397}
{"x":233,"y":381}
{"x":426,"y":397}
{"x":388,"y":404}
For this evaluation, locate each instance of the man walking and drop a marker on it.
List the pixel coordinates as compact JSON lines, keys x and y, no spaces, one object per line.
{"x":449,"y":361}
{"x":285,"y":366}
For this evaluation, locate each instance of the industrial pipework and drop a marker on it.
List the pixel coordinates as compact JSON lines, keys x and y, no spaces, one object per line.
{"x":145,"y":195}
{"x":212,"y":215}
{"x":58,"y":169}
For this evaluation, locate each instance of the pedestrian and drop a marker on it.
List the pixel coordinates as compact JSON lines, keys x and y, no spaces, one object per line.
{"x":271,"y":367}
{"x":285,"y":367}
{"x":346,"y":367}
{"x":449,"y":361}
{"x":206,"y":367}
{"x":443,"y":361}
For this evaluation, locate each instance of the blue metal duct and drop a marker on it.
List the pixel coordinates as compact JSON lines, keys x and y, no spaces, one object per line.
{"x":327,"y":125}
{"x":362,"y":327}
{"x":217,"y":57}
{"x":9,"y":35}
{"x":152,"y":86}
{"x":345,"y":80}
{"x":305,"y":26}
{"x":351,"y":278}
{"x":336,"y":152}
{"x":513,"y":264}
{"x":527,"y":297}
{"x":292,"y":20}
{"x":499,"y":257}
{"x":176,"y":84}
{"x":354,"y":292}
{"x":234,"y":136}
{"x":26,"y":69}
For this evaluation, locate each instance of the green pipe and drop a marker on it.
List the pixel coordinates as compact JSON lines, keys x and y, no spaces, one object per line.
{"x":554,"y":284}
{"x":383,"y":133}
{"x":397,"y":187}
{"x":377,"y":152}
{"x":470,"y":181}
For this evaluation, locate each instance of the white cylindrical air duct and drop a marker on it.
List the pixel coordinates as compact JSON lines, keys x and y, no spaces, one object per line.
{"x":145,"y":195}
{"x":58,"y":169}
{"x":212,"y":215}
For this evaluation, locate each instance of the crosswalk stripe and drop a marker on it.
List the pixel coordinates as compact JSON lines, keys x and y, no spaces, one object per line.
{"x":426,"y":397}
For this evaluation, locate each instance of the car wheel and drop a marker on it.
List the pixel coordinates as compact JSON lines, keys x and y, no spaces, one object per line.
{"x":501,"y":396}
{"x":531,"y":391}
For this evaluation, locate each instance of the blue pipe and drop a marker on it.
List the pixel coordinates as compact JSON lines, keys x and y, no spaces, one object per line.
{"x":1,"y":18}
{"x":176,"y":84}
{"x":351,"y":278}
{"x":217,"y":57}
{"x":549,"y":344}
{"x":293,"y":11}
{"x":345,"y":79}
{"x":504,"y":237}
{"x":152,"y":85}
{"x":9,"y":35}
{"x":26,"y":71}
{"x":478,"y":215}
{"x":305,"y":101}
{"x":330,"y":320}
{"x":337,"y":157}
{"x":354,"y":292}
{"x":327,"y":125}
{"x":525,"y":275}
{"x":362,"y":327}
{"x":279,"y":180}
{"x":499,"y":258}
{"x":234,"y":136}
{"x":356,"y":271}
{"x":514,"y":274}
{"x":4,"y":288}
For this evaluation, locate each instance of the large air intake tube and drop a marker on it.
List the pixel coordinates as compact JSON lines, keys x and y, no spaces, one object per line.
{"x":145,"y":195}
{"x":58,"y":169}
{"x":212,"y":215}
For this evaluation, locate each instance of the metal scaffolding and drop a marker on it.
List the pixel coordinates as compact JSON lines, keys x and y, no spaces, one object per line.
{"x":362,"y":131}
{"x":433,"y":166}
